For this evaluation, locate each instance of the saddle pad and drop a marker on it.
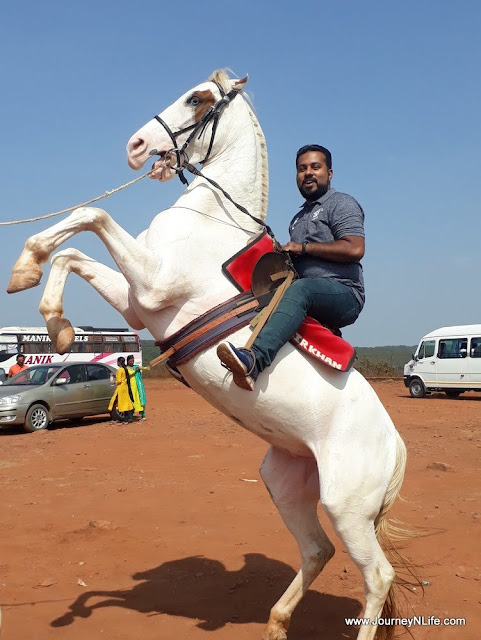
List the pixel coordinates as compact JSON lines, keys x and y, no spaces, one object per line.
{"x":317,"y":341}
{"x":239,"y":268}
{"x":311,"y":337}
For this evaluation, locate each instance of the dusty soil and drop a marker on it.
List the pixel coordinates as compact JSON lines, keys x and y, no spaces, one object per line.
{"x":152,"y":530}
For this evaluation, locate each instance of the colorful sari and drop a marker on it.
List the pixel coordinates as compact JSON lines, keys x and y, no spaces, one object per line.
{"x":140,"y":384}
{"x":138,"y":404}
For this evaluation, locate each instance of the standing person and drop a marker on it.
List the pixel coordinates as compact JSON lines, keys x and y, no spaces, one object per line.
{"x":327,"y":244}
{"x":17,"y":368}
{"x":123,"y":395}
{"x":137,"y":383}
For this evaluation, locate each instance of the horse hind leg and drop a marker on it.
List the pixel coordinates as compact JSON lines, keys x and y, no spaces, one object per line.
{"x":378,"y":575}
{"x":293,"y":484}
{"x":361,"y":525}
{"x":111,"y":285}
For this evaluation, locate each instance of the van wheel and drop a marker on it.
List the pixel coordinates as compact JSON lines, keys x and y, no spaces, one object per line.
{"x":416,"y":388}
{"x":37,"y":418}
{"x":452,"y":393}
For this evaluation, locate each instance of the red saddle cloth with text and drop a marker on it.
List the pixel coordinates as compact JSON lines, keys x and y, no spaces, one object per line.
{"x":311,"y":337}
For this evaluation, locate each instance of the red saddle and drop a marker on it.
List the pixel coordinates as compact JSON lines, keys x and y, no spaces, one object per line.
{"x":311,"y":337}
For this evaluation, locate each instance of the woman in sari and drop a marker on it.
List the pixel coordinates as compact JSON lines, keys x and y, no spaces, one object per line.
{"x":138,"y":388}
{"x":123,"y":396}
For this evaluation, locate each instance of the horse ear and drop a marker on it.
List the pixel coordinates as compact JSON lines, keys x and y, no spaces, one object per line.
{"x":240,"y":84}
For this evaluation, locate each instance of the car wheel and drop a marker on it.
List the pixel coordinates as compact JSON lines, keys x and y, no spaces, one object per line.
{"x":452,"y":393}
{"x":114,"y":414}
{"x":416,"y":388}
{"x":37,"y":418}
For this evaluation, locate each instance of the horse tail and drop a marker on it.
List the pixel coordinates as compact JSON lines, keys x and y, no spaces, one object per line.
{"x":390,"y":531}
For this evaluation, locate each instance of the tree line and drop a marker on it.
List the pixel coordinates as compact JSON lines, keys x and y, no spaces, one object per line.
{"x":383,"y":362}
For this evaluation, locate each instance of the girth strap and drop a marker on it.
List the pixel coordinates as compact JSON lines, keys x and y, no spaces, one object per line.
{"x":209,"y":328}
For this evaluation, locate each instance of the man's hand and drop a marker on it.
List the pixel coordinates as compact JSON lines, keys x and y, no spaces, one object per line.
{"x":162,"y":171}
{"x":347,"y":249}
{"x":293,"y":247}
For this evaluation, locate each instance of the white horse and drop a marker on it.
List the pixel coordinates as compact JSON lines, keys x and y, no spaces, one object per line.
{"x":330,"y":437}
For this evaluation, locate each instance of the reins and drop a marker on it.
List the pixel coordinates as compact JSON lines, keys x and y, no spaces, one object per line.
{"x":213,"y":113}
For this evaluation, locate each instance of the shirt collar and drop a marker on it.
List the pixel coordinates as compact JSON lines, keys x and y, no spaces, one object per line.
{"x":321,"y":200}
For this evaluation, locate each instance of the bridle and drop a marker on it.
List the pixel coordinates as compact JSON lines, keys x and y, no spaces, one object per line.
{"x":182,"y":159}
{"x":213,"y":113}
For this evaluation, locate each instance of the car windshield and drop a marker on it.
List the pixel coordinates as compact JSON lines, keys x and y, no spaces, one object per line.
{"x":33,"y":375}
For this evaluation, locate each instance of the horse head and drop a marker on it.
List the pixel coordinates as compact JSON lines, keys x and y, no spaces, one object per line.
{"x":196,"y":127}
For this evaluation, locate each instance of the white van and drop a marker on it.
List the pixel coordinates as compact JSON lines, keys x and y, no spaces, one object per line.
{"x":448,"y":359}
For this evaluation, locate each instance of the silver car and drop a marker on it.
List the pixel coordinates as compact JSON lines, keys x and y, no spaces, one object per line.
{"x":43,"y":393}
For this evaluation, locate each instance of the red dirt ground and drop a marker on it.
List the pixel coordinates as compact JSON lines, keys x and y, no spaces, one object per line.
{"x":148,"y":530}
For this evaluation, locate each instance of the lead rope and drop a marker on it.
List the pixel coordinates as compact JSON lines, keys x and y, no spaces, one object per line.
{"x":83,"y":204}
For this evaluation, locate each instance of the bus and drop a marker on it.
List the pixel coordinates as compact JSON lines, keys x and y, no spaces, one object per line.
{"x":91,"y":344}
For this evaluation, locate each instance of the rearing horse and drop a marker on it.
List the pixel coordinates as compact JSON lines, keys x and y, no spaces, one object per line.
{"x":330,"y":437}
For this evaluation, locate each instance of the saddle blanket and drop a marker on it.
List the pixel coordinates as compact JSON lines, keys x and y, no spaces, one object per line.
{"x":311,"y":337}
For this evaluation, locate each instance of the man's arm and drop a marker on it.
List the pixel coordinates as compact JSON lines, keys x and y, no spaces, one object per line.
{"x":347,"y":249}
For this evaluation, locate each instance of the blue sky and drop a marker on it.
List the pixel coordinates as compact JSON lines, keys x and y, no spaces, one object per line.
{"x":391,"y":88}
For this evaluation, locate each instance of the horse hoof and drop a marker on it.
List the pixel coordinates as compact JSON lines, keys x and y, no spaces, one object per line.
{"x":24,"y":277}
{"x":274,"y":631}
{"x":61,"y":334}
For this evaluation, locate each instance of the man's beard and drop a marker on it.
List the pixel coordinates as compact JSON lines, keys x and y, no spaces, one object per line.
{"x":316,"y":194}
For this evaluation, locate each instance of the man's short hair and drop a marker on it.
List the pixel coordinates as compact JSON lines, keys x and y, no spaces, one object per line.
{"x":316,"y":147}
{"x":20,"y":355}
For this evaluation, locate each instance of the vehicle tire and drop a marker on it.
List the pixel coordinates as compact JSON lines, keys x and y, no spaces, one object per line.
{"x":37,"y":418}
{"x":452,"y":393}
{"x":114,"y":414}
{"x":416,"y":388}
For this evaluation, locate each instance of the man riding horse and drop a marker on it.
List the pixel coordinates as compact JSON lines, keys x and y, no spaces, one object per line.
{"x":327,"y":244}
{"x":334,"y":443}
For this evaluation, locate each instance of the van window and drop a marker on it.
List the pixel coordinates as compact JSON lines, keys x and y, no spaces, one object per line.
{"x":426,"y":349}
{"x":475,"y":347}
{"x":429,"y":348}
{"x":453,"y":348}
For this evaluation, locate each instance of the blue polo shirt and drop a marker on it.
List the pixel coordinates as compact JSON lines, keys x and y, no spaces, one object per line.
{"x":332,"y":217}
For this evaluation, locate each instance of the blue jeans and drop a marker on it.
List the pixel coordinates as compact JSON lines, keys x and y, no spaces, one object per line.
{"x":324,"y":299}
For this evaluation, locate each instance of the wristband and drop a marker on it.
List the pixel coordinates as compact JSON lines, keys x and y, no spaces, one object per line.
{"x":304,"y":246}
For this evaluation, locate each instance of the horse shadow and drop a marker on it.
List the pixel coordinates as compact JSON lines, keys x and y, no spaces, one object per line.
{"x":202,"y":589}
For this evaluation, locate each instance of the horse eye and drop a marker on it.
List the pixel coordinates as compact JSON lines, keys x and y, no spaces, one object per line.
{"x":194,"y":101}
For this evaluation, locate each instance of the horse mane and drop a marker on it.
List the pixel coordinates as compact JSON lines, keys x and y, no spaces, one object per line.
{"x":222,"y":78}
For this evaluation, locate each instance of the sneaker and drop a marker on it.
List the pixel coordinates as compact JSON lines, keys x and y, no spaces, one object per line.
{"x":242,"y":363}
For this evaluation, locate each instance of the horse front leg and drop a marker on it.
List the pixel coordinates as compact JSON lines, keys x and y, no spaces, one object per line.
{"x":111,"y":285}
{"x":138,"y":264}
